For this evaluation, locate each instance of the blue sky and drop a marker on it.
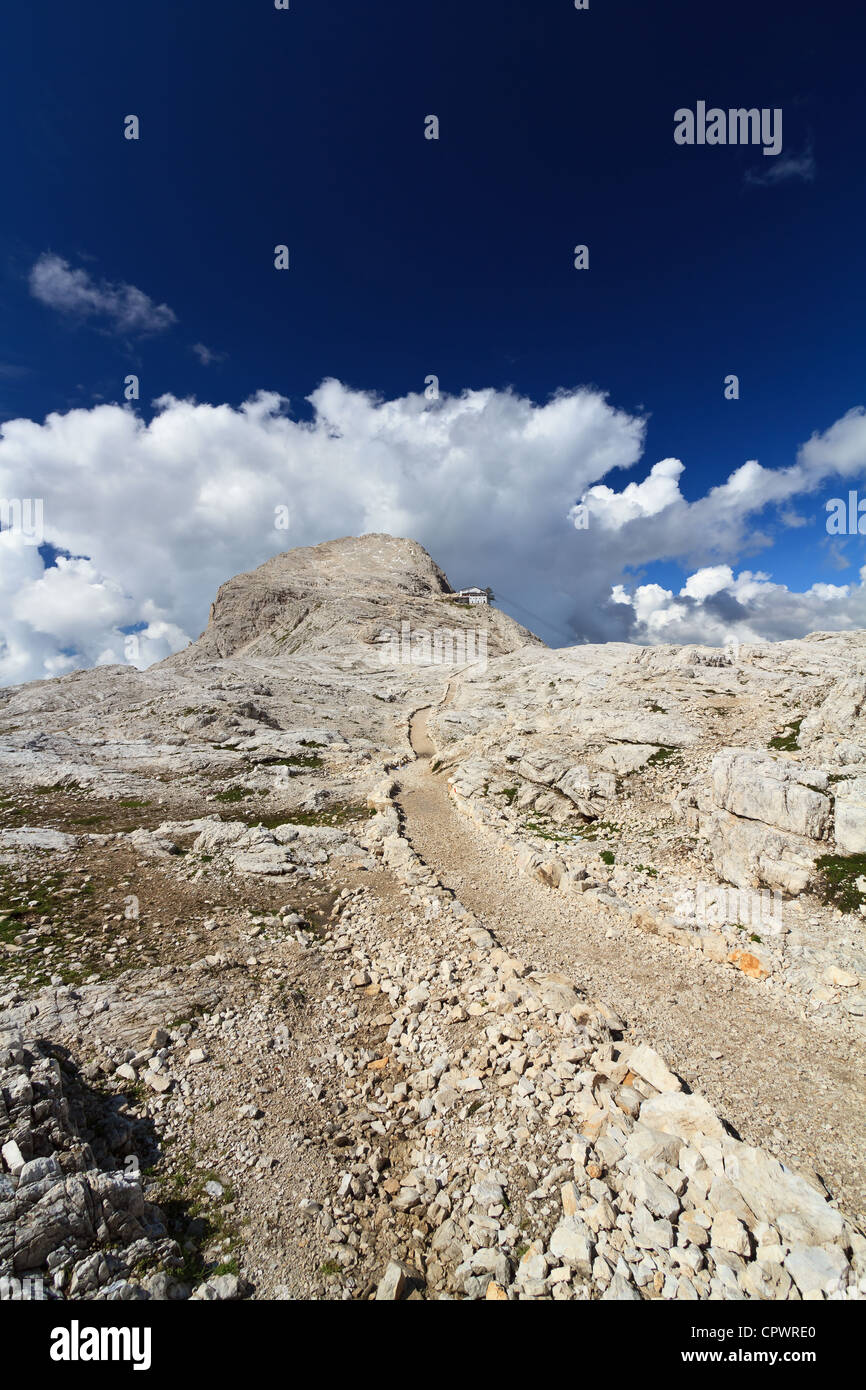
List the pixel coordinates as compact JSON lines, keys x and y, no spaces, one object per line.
{"x":412,"y":257}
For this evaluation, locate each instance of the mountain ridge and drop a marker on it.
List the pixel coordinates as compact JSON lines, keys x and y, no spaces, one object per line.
{"x":317,"y":598}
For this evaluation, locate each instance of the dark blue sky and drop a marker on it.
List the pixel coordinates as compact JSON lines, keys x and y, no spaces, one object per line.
{"x":454,"y":257}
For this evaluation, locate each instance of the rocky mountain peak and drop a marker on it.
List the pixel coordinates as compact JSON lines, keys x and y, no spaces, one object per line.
{"x":337,"y":594}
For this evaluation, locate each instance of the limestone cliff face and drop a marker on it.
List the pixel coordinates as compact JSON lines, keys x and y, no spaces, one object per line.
{"x":334,"y":596}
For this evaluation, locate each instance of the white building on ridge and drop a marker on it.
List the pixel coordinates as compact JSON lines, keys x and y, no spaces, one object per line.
{"x":472,"y":596}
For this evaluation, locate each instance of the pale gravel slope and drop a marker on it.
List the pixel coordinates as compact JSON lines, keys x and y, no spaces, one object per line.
{"x":786,"y":1083}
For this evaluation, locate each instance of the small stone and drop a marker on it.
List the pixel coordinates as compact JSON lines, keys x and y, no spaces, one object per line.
{"x":728,"y":1233}
{"x":843,"y":979}
{"x":156,"y":1081}
{"x":37,"y":1169}
{"x":817,"y":1271}
{"x":13,"y":1157}
{"x":570,"y":1199}
{"x":692,"y":1232}
{"x":219,"y":1288}
{"x":395,"y":1282}
{"x":488,"y":1261}
{"x":573,"y":1242}
{"x":656,"y":1196}
{"x":684,"y":1115}
{"x":648,"y":1064}
{"x":487,"y":1193}
{"x":620,"y":1290}
{"x":749,"y":963}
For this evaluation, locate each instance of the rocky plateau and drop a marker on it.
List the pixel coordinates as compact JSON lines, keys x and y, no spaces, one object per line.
{"x":371,"y":949}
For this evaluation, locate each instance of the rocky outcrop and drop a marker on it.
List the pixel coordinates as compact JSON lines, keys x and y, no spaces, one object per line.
{"x":355,"y":591}
{"x":753,"y":854}
{"x":837,"y":727}
{"x":787,"y":796}
{"x":623,"y":758}
{"x":66,"y":1225}
{"x":766,"y":819}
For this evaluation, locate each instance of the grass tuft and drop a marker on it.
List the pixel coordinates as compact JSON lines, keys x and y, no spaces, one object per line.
{"x":838,"y":880}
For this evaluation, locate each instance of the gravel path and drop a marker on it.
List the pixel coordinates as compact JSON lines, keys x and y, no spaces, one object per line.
{"x":788,"y":1083}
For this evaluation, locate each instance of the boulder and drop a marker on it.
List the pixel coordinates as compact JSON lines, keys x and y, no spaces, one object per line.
{"x":623,"y":758}
{"x":396,"y":1282}
{"x":841,"y":715}
{"x":582,"y":784}
{"x":781,"y":1198}
{"x":538,"y":767}
{"x":817,"y":1272}
{"x":29,"y":837}
{"x":850,"y":816}
{"x":783,"y":795}
{"x":751,"y":854}
{"x":648,"y":1064}
{"x":574,"y":1244}
{"x":687,"y":1116}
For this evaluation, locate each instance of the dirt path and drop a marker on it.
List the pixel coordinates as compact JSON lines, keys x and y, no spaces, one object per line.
{"x":419,"y":733}
{"x":784,"y":1082}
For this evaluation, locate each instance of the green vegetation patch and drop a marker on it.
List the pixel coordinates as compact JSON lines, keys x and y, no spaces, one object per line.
{"x":661,"y":755}
{"x":338,"y":814}
{"x":26,"y":897}
{"x":196,"y":1221}
{"x":233,"y":794}
{"x":838,"y":880}
{"x":598,"y":827}
{"x":586,"y":833}
{"x":789,"y":740}
{"x":293,"y":760}
{"x":544,"y":833}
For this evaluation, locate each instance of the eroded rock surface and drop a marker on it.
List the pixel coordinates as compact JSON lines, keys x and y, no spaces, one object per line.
{"x":255,"y":1044}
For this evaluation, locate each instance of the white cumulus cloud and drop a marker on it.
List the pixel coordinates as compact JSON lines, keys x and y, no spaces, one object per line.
{"x":715,"y":605}
{"x":151,"y":516}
